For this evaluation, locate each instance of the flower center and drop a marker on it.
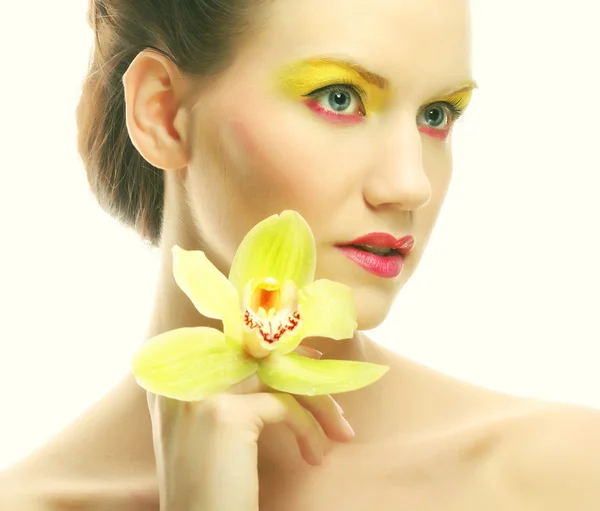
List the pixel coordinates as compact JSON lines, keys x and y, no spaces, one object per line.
{"x":267,"y":296}
{"x":272,"y":311}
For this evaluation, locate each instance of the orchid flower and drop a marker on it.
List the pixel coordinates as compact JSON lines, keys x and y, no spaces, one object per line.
{"x":269,"y":303}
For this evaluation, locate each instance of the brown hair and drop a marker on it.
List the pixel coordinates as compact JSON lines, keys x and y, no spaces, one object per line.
{"x":199,"y":36}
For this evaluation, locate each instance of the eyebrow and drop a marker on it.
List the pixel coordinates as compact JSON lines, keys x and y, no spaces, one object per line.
{"x":381,"y":82}
{"x":369,"y":76}
{"x":467,"y":86}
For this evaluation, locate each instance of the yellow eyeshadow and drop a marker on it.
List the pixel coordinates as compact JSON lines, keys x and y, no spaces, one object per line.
{"x":301,"y":78}
{"x":460,"y":99}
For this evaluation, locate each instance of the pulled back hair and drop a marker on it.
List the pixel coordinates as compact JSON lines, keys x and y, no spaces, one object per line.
{"x":199,"y":36}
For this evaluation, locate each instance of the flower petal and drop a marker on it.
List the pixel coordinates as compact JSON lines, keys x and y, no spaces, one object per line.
{"x":281,"y":247}
{"x":300,"y":375}
{"x":191,"y":364}
{"x":326,"y":310}
{"x":208,"y":289}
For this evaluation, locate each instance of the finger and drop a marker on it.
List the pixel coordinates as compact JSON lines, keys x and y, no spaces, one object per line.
{"x":278,"y":407}
{"x":251,"y":412}
{"x":230,"y":412}
{"x":329,"y":415}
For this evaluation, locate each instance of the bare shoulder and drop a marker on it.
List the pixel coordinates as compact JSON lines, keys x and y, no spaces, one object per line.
{"x":17,"y":497}
{"x":103,"y":460}
{"x":546,"y":455}
{"x":21,"y":493}
{"x":552,"y":457}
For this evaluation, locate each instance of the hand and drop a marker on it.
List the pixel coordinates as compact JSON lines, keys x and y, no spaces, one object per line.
{"x":207,"y":452}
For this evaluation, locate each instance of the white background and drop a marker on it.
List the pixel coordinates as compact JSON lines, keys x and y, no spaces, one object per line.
{"x":508,"y":295}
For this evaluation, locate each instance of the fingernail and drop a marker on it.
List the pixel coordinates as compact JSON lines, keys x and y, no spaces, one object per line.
{"x":309,"y":352}
{"x":349,"y":428}
{"x":340,"y":409}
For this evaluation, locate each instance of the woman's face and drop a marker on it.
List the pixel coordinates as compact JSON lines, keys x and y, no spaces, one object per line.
{"x":341,"y":110}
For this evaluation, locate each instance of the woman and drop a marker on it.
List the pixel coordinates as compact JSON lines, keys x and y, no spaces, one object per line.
{"x":342,"y":111}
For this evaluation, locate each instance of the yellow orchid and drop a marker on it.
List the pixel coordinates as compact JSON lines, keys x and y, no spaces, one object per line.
{"x":268,"y":305}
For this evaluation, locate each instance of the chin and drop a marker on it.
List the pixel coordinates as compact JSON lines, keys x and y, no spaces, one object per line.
{"x":372,"y":306}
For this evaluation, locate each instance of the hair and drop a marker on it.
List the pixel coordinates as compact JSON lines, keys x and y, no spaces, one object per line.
{"x":199,"y":36}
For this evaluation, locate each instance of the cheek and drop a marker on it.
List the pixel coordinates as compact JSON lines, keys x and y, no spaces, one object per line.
{"x":268,"y":162}
{"x":438,"y":164}
{"x":286,"y":165}
{"x":273,"y":162}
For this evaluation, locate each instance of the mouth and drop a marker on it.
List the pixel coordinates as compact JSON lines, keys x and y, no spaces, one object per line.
{"x":382,"y":243}
{"x":379,"y":253}
{"x":377,"y":250}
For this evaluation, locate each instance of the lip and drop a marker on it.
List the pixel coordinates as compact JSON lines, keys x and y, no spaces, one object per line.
{"x":386,"y":267}
{"x":383,"y":266}
{"x":404,"y":245}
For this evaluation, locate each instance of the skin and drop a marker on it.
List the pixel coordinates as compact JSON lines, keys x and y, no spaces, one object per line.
{"x":246,"y":145}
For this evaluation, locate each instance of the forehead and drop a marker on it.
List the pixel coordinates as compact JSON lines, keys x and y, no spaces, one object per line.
{"x":420,"y":44}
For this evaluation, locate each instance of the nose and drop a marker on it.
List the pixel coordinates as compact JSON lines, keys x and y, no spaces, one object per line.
{"x":397,"y":177}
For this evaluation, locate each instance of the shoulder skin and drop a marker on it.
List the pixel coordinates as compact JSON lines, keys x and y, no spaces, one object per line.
{"x":552,"y":458}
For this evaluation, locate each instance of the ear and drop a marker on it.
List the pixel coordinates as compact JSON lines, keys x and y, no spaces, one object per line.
{"x":156,"y":117}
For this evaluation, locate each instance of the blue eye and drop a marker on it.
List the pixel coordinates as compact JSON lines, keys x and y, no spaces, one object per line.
{"x":435,"y":116}
{"x":439,"y":115}
{"x":339,"y":101}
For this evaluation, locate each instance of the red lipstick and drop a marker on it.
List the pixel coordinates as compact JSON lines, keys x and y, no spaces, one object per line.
{"x":382,"y":239}
{"x":379,"y":253}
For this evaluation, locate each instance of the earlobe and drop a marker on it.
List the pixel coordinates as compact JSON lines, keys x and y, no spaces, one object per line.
{"x":156,"y":117}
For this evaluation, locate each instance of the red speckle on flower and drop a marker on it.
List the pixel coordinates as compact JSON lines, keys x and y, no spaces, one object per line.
{"x":267,"y":330}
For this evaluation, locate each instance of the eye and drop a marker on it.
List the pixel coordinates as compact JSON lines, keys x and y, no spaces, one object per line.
{"x":439,"y":116}
{"x":338,"y":99}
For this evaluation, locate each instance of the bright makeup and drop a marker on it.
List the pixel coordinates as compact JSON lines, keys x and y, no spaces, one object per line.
{"x":308,"y":79}
{"x":326,"y":83}
{"x":379,"y":253}
{"x":453,"y":105}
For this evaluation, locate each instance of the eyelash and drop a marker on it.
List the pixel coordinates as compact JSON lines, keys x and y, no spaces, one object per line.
{"x":453,"y":109}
